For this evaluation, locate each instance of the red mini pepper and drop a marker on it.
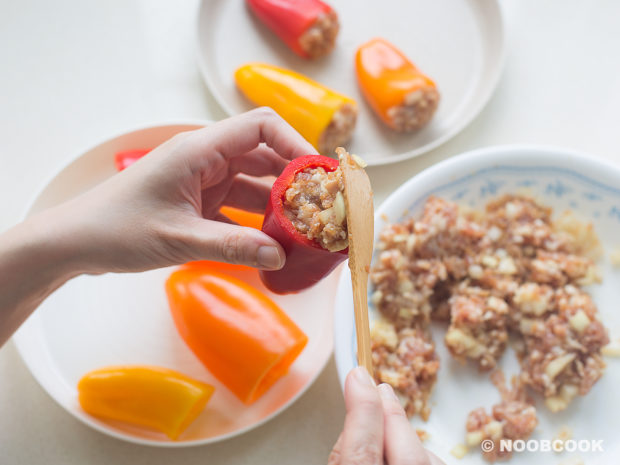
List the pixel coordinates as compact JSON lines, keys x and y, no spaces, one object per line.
{"x":306,"y":261}
{"x":292,"y":20}
{"x":127,"y":158}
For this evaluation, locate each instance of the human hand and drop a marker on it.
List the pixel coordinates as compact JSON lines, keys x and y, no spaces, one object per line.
{"x":164,"y":209}
{"x":376,"y":429}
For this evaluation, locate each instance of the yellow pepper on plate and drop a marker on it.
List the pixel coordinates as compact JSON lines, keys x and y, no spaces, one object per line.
{"x":151,"y":397}
{"x":324,"y":117}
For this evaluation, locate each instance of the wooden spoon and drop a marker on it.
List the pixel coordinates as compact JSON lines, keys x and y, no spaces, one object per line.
{"x":360,"y":226}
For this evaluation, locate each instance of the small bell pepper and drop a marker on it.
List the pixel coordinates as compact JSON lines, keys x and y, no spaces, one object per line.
{"x":308,"y":27}
{"x":324,"y":117}
{"x":127,"y":158}
{"x":151,"y":397}
{"x":307,"y":262}
{"x":242,"y":217}
{"x":242,"y":337}
{"x":401,"y":95}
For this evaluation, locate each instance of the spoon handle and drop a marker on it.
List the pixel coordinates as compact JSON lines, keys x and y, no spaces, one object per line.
{"x":360,"y":225}
{"x":360,"y":303}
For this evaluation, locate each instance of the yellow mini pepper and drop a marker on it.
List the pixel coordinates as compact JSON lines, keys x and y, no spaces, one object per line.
{"x":324,"y":117}
{"x":151,"y":397}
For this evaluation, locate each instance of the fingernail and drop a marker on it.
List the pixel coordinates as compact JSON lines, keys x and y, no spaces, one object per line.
{"x":363,"y":377}
{"x":387,"y":393}
{"x":269,"y":257}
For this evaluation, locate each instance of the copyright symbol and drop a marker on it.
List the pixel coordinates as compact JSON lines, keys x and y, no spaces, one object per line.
{"x":487,"y":445}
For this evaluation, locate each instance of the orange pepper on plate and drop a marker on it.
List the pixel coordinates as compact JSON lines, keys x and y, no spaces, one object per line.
{"x":244,"y":218}
{"x":401,"y":95}
{"x":151,"y":397}
{"x":311,"y":108}
{"x":241,"y":336}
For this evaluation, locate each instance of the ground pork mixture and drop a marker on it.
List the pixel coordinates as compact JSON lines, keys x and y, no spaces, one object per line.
{"x":320,"y":37}
{"x":507,"y":270}
{"x":314,"y":203}
{"x":406,"y":360}
{"x":339,"y":130}
{"x":417,"y":109}
{"x":513,"y":418}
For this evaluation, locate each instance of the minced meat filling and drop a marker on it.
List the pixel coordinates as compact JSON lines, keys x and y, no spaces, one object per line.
{"x":314,"y":203}
{"x":514,"y":418}
{"x":339,"y":130}
{"x":510,"y":270}
{"x":319,"y":38}
{"x":417,"y":109}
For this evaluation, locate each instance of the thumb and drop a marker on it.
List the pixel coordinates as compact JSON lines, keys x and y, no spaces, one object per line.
{"x":239,"y":245}
{"x":362,"y":438}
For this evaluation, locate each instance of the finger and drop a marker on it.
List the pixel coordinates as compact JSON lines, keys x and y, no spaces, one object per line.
{"x":248,"y":194}
{"x":362,"y":441}
{"x":242,"y":133}
{"x":334,"y":456}
{"x":261,"y":161}
{"x":222,"y":242}
{"x":402,"y":445}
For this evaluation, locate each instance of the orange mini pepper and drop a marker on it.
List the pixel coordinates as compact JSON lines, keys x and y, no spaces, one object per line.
{"x":241,"y":336}
{"x":151,"y":397}
{"x":401,"y":95}
{"x":324,"y":117}
{"x":242,"y":217}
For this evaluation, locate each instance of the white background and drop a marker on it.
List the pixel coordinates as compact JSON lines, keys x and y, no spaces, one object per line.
{"x":75,"y":72}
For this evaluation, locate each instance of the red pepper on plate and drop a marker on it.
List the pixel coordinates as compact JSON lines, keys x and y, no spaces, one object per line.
{"x":126,"y":158}
{"x":306,"y":261}
{"x":308,"y":27}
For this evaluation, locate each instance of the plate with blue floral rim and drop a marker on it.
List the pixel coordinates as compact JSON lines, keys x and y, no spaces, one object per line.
{"x":563,"y":180}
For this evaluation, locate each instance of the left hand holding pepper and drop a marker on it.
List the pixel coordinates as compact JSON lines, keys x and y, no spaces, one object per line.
{"x":161,"y":211}
{"x":164,"y":210}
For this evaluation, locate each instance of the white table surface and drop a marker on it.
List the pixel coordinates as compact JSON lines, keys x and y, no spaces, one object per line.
{"x":74,"y":72}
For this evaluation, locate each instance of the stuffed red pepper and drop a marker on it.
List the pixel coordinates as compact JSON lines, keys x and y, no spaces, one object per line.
{"x":308,"y":27}
{"x":306,"y":214}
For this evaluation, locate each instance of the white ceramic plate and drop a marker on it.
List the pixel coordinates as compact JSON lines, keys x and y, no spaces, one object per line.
{"x":562,"y":180}
{"x":117,"y":319}
{"x":459,"y":43}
